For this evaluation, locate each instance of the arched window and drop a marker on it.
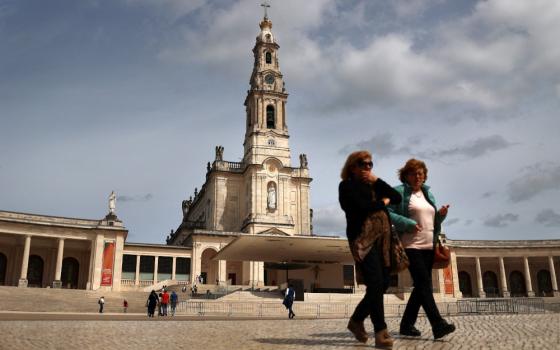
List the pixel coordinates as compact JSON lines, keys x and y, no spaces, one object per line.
{"x":465,"y":285}
{"x":3,"y":265}
{"x":270,"y":117}
{"x":70,"y":273}
{"x":490,"y":284}
{"x":268,"y":57}
{"x":517,"y":284}
{"x":544,"y":282}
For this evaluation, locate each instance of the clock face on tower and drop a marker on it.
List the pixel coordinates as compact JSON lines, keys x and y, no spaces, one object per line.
{"x":269,"y":79}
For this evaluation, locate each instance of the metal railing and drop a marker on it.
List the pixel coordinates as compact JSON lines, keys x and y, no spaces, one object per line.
{"x":344,"y":310}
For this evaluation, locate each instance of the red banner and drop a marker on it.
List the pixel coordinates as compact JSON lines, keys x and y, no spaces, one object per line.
{"x":448,"y":279}
{"x":107,"y":267}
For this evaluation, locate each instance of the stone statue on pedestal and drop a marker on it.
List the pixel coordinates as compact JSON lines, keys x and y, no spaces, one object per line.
{"x":271,"y":198}
{"x":219,"y":153}
{"x":112,"y":202}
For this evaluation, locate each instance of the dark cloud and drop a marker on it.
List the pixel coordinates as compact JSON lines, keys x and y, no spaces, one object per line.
{"x":488,"y":194}
{"x":381,"y":145}
{"x":536,"y":179}
{"x":473,"y":149}
{"x":500,"y":220}
{"x":548,"y":218}
{"x":137,"y":198}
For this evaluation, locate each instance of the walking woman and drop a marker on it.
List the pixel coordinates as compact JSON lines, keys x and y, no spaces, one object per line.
{"x":419,"y":224}
{"x":364,"y":197}
{"x":151,"y":303}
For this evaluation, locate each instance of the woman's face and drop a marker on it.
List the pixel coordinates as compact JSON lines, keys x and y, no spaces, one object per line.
{"x":362,"y":168}
{"x":415,"y":178}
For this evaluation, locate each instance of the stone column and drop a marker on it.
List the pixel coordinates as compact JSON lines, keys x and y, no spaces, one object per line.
{"x":555,"y":291}
{"x":455,"y":270}
{"x":503,"y":279}
{"x":222,"y":268}
{"x":25,"y":262}
{"x":173,"y":268}
{"x":481,"y":293}
{"x":57,"y":283}
{"x":137,"y":275}
{"x":530,"y":292}
{"x":156,"y":260}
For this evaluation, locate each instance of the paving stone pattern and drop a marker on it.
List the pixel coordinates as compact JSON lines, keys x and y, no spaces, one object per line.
{"x":540,"y":331}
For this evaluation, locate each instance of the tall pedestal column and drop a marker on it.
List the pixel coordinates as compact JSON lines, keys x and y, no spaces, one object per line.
{"x":528,"y":283}
{"x":137,"y":274}
{"x":57,"y":283}
{"x":156,"y":261}
{"x":503,"y":279}
{"x":555,"y":291}
{"x":24,"y":262}
{"x":174,"y":268}
{"x":481,"y":293}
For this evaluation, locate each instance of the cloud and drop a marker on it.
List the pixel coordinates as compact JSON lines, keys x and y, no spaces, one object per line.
{"x":381,"y":145}
{"x":473,"y":149}
{"x":172,"y":8}
{"x":538,"y":178}
{"x":137,"y":198}
{"x":488,"y":194}
{"x":548,"y":218}
{"x":329,"y":220}
{"x":384,"y":145}
{"x":450,"y":222}
{"x":501,"y":220}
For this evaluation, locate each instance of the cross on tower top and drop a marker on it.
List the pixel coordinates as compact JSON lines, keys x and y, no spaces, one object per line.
{"x":265,"y":5}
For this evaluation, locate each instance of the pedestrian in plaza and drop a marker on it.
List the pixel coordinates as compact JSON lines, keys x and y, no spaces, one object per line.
{"x":289,"y":298}
{"x":164,"y":302}
{"x":125,"y":306}
{"x":160,"y":310}
{"x":174,"y":299}
{"x":364,"y":198}
{"x":418,"y":222}
{"x":101,"y":303}
{"x":152,"y":303}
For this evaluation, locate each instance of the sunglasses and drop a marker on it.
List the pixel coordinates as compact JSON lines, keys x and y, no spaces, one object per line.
{"x":362,"y":165}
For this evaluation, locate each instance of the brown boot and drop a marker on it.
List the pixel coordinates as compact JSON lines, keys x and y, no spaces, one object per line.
{"x":383,"y":340}
{"x":357,"y":328}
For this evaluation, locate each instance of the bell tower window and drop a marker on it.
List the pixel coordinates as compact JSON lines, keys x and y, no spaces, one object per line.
{"x":270,"y":117}
{"x":268,"y":57}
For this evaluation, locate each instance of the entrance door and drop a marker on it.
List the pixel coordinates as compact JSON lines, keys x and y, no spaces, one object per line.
{"x":35,"y":271}
{"x":69,"y":275}
{"x":3,"y":265}
{"x":298,"y":287}
{"x":231,"y":276}
{"x":517,"y":284}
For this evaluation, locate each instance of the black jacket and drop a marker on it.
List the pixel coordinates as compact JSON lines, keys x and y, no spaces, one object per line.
{"x":356,"y":199}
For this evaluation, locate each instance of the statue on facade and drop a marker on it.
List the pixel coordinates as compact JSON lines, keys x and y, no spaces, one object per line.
{"x":195,"y":192}
{"x":271,"y":198}
{"x":219,"y":152}
{"x":112,"y":202}
{"x":185,"y":207}
{"x":303,"y":161}
{"x":208,"y":167}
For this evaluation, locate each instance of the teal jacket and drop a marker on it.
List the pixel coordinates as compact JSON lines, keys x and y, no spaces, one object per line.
{"x":399,"y":212}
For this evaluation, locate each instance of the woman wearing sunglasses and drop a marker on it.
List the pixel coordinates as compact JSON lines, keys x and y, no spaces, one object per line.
{"x":364,"y":198}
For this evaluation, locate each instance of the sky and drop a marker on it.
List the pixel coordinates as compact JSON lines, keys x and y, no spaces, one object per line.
{"x":133,"y":96}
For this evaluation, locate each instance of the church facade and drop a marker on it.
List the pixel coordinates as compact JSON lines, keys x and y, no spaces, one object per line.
{"x":244,"y":224}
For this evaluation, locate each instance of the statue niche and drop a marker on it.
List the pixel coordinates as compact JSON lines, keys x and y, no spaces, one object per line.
{"x":271,"y":196}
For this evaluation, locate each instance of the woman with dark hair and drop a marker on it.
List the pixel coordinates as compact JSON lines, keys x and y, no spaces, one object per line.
{"x":151,"y":303}
{"x":364,"y":198}
{"x":418,"y":223}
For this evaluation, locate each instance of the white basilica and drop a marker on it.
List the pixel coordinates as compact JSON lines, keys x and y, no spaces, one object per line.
{"x":250,"y":225}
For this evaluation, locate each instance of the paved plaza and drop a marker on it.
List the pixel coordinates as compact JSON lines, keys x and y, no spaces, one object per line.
{"x":539,"y":331}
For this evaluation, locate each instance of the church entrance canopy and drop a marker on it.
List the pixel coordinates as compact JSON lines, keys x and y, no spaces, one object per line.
{"x":291,"y":249}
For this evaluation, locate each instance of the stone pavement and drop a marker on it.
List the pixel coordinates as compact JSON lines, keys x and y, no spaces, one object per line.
{"x":537,"y":331}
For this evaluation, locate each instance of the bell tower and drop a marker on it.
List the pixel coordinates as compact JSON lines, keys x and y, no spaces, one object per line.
{"x":266,"y":132}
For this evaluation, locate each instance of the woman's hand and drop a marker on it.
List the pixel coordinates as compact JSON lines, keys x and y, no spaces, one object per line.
{"x":386,"y":201}
{"x":443,"y":210}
